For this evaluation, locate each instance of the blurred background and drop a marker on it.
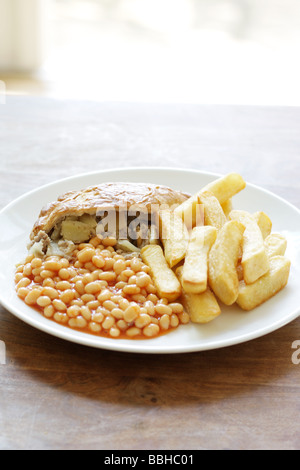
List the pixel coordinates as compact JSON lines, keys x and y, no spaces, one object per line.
{"x":193,"y":51}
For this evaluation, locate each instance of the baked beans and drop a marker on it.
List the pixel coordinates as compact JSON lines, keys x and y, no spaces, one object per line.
{"x":99,"y":291}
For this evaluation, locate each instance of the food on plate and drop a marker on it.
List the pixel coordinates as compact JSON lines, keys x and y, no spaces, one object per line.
{"x":223,"y":261}
{"x":165,"y":280}
{"x":194,"y":271}
{"x":174,"y":236}
{"x":203,"y":307}
{"x":275,"y":244}
{"x":136,"y":260}
{"x":252,"y":295}
{"x":255,"y":261}
{"x":264,"y":222}
{"x":76,"y":216}
{"x":213,"y":212}
{"x":223,"y":189}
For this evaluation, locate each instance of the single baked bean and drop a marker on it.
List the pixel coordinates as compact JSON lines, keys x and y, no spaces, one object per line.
{"x":109,"y":264}
{"x":184,"y":317}
{"x":117,"y":313}
{"x":67,"y":296}
{"x":61,"y":317}
{"x":174,"y":320}
{"x":19,"y":277}
{"x":63,"y":285}
{"x":163,"y":309}
{"x":131,"y":313}
{"x":43,"y":301}
{"x":49,"y":265}
{"x":143,"y":280}
{"x":105,"y":295}
{"x":124,"y":304}
{"x":98,"y":261}
{"x":64,"y":274}
{"x":86,"y":313}
{"x":114,"y":332}
{"x":27,"y":270}
{"x":49,"y":311}
{"x":50,"y":292}
{"x":176,"y":307}
{"x":150,"y":307}
{"x":37,"y":263}
{"x":108,"y":276}
{"x":93,"y":304}
{"x":109,"y":305}
{"x":164,"y":322}
{"x":143,"y":320}
{"x":93,"y":287}
{"x":46,"y":274}
{"x":32,"y":297}
{"x":119,"y":266}
{"x":25,"y":282}
{"x":86,"y":255}
{"x":73,"y":311}
{"x":108,"y":322}
{"x":78,"y":322}
{"x":131,"y":289}
{"x":95,"y":327}
{"x":133,"y":331}
{"x":151,"y":330}
{"x":109,"y":241}
{"x":23,"y":292}
{"x":59,"y":305}
{"x":48,"y":283}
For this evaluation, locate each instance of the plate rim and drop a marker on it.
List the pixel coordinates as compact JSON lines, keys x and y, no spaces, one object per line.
{"x":84,"y":339}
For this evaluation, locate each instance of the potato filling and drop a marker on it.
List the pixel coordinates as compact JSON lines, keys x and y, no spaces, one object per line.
{"x":100,"y":290}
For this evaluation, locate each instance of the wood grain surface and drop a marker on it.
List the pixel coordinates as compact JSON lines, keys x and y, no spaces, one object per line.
{"x":59,"y":395}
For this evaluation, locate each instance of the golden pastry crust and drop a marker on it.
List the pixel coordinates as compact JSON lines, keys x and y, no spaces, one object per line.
{"x":104,"y":196}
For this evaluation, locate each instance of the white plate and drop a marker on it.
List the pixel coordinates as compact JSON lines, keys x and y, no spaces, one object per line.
{"x":233,"y":326}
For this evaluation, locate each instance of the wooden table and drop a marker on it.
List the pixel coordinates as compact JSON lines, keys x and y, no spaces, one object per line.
{"x":58,"y":395}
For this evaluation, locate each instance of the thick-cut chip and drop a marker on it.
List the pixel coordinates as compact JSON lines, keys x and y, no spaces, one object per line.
{"x":195,"y":268}
{"x":174,"y":236}
{"x":255,"y":260}
{"x":213,"y":212}
{"x":223,"y":189}
{"x":165,"y":280}
{"x":222,"y":262}
{"x":253,"y":295}
{"x":227,"y":207}
{"x":202,"y":308}
{"x":264,"y":222}
{"x":275,"y":244}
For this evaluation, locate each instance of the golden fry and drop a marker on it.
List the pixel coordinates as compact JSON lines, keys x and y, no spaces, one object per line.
{"x":223,"y":260}
{"x":164,"y":278}
{"x":253,"y":295}
{"x":213,"y":212}
{"x":255,"y":261}
{"x":275,"y":244}
{"x":223,"y":189}
{"x":195,"y":268}
{"x":174,"y":236}
{"x":264,"y":223}
{"x":202,"y":308}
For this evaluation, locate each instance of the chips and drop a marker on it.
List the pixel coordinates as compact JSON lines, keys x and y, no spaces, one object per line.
{"x":223,"y":261}
{"x":223,"y":189}
{"x":214,"y":253}
{"x":174,"y":236}
{"x":202,"y":308}
{"x":253,"y":295}
{"x":255,"y":261}
{"x":194,"y":273}
{"x":166,"y":282}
